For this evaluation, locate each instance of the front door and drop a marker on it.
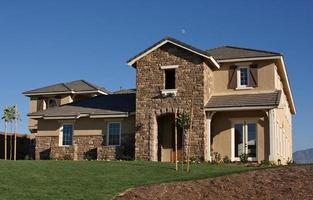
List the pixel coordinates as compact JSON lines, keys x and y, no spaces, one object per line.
{"x":244,"y":140}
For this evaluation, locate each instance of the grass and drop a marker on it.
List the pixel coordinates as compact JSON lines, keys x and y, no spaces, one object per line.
{"x":94,"y":179}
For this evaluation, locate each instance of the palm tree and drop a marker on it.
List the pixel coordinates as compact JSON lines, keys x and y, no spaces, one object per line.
{"x":16,"y":117}
{"x":7,"y":117}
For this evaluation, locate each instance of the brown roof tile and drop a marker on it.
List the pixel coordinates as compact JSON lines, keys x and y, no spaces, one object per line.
{"x":244,"y":100}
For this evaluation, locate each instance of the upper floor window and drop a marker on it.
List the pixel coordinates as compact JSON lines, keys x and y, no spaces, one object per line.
{"x":114,"y":133}
{"x":243,"y":77}
{"x":66,"y":135}
{"x":52,"y":103}
{"x":170,"y":79}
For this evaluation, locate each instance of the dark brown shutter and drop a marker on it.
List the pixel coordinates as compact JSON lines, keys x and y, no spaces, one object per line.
{"x":253,"y":78}
{"x":40,"y":103}
{"x":232,"y":77}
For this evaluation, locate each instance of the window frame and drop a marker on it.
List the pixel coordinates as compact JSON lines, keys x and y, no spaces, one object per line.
{"x":48,"y":103}
{"x":108,"y":133}
{"x":171,"y":70}
{"x":61,"y":134}
{"x":239,"y":86}
{"x":245,"y":122}
{"x":164,"y":91}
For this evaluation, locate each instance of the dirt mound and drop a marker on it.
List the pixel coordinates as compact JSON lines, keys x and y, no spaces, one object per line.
{"x":280,"y":183}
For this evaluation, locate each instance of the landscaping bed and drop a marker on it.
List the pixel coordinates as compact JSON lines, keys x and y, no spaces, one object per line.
{"x":290,"y":182}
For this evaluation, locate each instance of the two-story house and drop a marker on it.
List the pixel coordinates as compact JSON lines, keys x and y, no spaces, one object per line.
{"x":240,"y":101}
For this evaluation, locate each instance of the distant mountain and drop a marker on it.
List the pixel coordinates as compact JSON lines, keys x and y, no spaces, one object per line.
{"x":303,"y":156}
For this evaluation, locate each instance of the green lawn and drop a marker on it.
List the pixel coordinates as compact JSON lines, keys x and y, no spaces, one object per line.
{"x":93,"y":179}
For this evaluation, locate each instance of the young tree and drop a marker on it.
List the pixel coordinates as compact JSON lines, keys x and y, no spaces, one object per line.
{"x":183,"y":121}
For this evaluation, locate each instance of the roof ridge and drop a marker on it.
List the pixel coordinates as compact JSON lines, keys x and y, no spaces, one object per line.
{"x":251,"y":49}
{"x":90,"y":84}
{"x":65,"y":85}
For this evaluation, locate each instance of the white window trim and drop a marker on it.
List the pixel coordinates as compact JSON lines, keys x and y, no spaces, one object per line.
{"x":243,"y":121}
{"x":166,"y":92}
{"x":239,"y":86}
{"x":169,"y":67}
{"x":61,"y":134}
{"x":120,"y":133}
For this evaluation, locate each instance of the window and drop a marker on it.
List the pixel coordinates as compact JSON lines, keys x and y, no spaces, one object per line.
{"x":243,"y":76}
{"x":114,"y":133}
{"x":66,"y":135}
{"x":52,"y":103}
{"x":244,"y":139}
{"x":170,"y":79}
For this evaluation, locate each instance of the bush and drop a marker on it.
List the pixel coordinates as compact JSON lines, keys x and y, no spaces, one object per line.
{"x":244,"y":158}
{"x":67,"y":157}
{"x":266,"y":163}
{"x":290,"y":162}
{"x":90,"y":155}
{"x":216,"y":157}
{"x":226,"y":159}
{"x":28,"y":157}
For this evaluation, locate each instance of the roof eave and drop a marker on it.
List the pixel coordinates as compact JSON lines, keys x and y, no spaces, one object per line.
{"x":239,"y":108}
{"x":133,"y":61}
{"x":68,"y":92}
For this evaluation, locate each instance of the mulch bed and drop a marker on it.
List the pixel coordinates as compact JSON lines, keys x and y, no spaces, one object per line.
{"x":294,"y":182}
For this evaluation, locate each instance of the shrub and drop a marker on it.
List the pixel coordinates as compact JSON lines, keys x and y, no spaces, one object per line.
{"x":266,"y":163}
{"x":279,"y":161}
{"x":226,"y":159}
{"x":67,"y":157}
{"x":28,"y":157}
{"x":91,"y":154}
{"x":290,"y":162}
{"x":244,"y":158}
{"x":216,"y":157}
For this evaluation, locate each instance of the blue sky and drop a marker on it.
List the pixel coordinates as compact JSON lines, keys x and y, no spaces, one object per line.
{"x":46,"y":42}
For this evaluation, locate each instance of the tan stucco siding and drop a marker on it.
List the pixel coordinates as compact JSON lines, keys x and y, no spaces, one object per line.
{"x":283,"y":124}
{"x":222,"y":130}
{"x":283,"y":130}
{"x":66,"y":99}
{"x":266,"y":80}
{"x":85,"y":126}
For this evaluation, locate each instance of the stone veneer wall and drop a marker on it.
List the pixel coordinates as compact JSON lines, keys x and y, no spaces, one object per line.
{"x":47,"y":147}
{"x":150,"y":104}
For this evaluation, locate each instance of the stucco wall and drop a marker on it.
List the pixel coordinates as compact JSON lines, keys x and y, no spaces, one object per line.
{"x":221,"y":132}
{"x":265,"y":79}
{"x":283,"y":138}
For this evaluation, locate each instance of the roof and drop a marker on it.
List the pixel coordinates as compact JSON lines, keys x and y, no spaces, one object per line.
{"x":175,"y":42}
{"x":125,"y":91}
{"x":231,"y":52}
{"x":244,"y":100}
{"x":112,"y":104}
{"x":79,"y":86}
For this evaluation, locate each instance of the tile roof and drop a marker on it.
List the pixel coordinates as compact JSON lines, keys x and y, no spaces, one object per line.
{"x":231,"y":52}
{"x":73,"y":86}
{"x":173,"y":40}
{"x":125,"y":91}
{"x":244,"y":100}
{"x":99,"y":105}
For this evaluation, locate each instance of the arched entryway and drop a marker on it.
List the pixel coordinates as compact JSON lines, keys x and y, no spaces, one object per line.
{"x":166,"y":138}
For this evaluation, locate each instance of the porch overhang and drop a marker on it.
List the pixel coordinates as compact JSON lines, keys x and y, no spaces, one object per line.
{"x":239,"y":108}
{"x":235,"y":102}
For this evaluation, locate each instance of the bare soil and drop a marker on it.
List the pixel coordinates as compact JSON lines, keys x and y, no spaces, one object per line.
{"x":295,"y":182}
